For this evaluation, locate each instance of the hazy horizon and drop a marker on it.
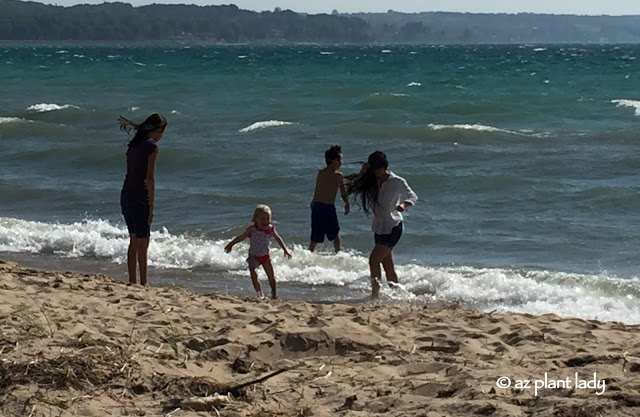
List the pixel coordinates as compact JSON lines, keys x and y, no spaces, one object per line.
{"x":573,"y":7}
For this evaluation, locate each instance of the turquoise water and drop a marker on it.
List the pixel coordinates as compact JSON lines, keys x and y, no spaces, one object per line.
{"x":525,"y":160}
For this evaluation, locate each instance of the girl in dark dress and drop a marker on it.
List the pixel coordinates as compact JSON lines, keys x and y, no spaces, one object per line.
{"x":138,"y":191}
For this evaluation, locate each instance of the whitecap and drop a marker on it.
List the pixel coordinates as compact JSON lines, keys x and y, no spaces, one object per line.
{"x":7,"y":120}
{"x":45,"y":107}
{"x":477,"y":127}
{"x":628,"y":103}
{"x":264,"y":125}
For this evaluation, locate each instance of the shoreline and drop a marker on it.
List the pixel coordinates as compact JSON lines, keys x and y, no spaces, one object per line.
{"x":83,"y":344}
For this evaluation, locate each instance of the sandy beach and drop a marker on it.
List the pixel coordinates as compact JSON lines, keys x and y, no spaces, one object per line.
{"x":89,"y":345}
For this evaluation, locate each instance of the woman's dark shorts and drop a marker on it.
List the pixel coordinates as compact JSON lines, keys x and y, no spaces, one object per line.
{"x":391,"y":239}
{"x":136,"y":215}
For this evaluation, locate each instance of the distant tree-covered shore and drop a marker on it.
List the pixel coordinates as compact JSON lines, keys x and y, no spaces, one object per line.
{"x":121,"y":22}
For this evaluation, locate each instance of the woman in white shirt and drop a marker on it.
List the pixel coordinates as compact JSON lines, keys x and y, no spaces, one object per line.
{"x":387,"y":196}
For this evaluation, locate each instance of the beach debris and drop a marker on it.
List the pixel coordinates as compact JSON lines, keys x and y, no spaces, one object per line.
{"x":204,"y":403}
{"x":171,"y":413}
{"x":324,"y":377}
{"x":216,"y":400}
{"x":236,"y":388}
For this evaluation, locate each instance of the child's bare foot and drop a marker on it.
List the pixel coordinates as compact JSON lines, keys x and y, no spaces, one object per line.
{"x":260,"y":295}
{"x":273,"y":295}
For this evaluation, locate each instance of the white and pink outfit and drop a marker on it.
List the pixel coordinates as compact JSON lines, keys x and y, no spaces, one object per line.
{"x":259,"y":244}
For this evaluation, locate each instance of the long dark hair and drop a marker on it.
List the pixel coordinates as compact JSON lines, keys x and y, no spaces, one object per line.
{"x":366,"y":185}
{"x":154,"y":122}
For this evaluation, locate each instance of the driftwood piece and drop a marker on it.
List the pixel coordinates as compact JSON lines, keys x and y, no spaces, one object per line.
{"x":216,"y":400}
{"x":204,"y":403}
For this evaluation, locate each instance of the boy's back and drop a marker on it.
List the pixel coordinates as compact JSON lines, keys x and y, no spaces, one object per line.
{"x":327,"y":183}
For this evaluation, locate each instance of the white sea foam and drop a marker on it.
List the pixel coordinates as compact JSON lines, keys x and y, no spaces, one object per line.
{"x":7,"y":120}
{"x":476,"y":127}
{"x":264,"y":125}
{"x":44,"y":107}
{"x":587,"y":296}
{"x":486,"y":289}
{"x":414,"y":84}
{"x":628,"y":103}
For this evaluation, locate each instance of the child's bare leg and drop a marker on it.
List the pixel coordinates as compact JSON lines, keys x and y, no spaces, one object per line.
{"x":268,"y":269}
{"x":389,"y":269}
{"x":312,"y":246}
{"x":254,"y":280}
{"x":378,"y":253}
{"x":336,"y":244}
{"x":132,"y":258}
{"x":143,"y":247}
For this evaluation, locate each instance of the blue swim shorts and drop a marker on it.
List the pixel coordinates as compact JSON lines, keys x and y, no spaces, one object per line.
{"x":391,"y":239}
{"x":324,"y":222}
{"x":136,"y":215}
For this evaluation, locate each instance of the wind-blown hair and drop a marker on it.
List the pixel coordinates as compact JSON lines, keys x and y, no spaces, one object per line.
{"x":366,"y":186}
{"x":154,"y":122}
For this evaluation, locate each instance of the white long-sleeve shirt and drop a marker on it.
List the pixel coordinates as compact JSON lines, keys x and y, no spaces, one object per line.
{"x":393,"y":191}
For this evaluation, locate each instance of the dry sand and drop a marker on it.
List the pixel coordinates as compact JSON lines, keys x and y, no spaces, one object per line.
{"x":89,"y":345}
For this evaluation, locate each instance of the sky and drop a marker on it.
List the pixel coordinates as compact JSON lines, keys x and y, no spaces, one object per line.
{"x":580,"y":7}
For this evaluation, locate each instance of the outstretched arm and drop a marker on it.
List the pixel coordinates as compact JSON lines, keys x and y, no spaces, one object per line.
{"x":364,"y":169}
{"x":237,"y":239}
{"x":278,"y":239}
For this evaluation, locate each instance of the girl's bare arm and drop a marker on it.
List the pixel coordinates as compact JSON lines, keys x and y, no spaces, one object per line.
{"x":237,"y":239}
{"x":278,"y":239}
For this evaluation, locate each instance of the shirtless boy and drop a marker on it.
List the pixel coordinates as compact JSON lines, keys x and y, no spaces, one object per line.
{"x":324,"y":219}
